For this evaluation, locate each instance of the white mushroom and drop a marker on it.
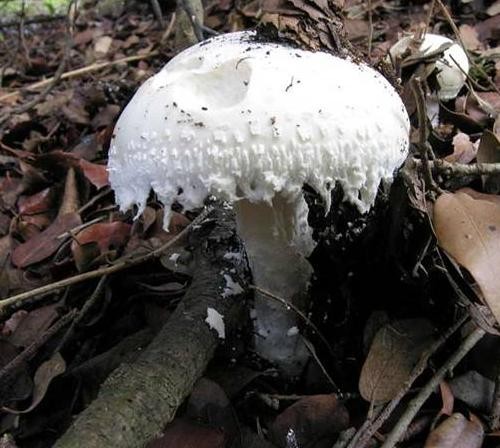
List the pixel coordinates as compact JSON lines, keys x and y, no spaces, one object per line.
{"x":251,"y":122}
{"x":452,"y":66}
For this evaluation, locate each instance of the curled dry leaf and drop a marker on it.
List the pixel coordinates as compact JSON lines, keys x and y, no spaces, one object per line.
{"x":37,"y":203}
{"x":96,"y":174}
{"x":457,"y":432}
{"x":46,"y":243}
{"x":311,"y":418}
{"x":106,"y":236}
{"x":33,"y":324}
{"x":44,"y":375}
{"x":464,"y":151}
{"x":467,"y":226}
{"x":474,"y":389}
{"x":396,"y":349}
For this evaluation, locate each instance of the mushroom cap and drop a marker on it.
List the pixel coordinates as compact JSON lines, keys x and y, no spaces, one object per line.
{"x":239,"y":118}
{"x":452,"y":66}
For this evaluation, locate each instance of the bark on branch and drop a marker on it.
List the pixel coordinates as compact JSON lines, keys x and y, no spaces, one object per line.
{"x":140,"y":398}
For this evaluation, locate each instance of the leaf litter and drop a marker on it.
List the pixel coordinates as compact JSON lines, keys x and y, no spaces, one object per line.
{"x":423,"y":260}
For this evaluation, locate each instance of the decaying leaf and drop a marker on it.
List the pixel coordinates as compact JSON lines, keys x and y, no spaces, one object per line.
{"x":464,"y":151}
{"x":102,"y":237}
{"x":467,"y":226}
{"x":457,"y":432}
{"x":393,"y":354}
{"x":311,"y":418}
{"x":44,"y":375}
{"x":474,"y":389}
{"x":96,"y":174}
{"x":46,"y":243}
{"x":33,"y":324}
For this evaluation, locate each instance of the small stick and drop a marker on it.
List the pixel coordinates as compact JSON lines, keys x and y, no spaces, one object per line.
{"x":370,"y":427}
{"x":462,"y":169}
{"x":83,"y":71}
{"x":290,"y":305}
{"x":157,"y":12}
{"x":370,"y":24}
{"x":83,"y":312}
{"x":197,"y":27}
{"x":423,"y":145}
{"x":120,"y":265}
{"x":415,"y":405}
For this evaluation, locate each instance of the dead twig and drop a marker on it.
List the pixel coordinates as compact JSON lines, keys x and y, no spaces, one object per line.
{"x":371,"y":426}
{"x":423,"y":145}
{"x":82,"y":71}
{"x":155,"y":6}
{"x":414,"y":406}
{"x":289,"y":305}
{"x":370,"y":24}
{"x":83,"y":312}
{"x":461,"y":169}
{"x":121,"y":264}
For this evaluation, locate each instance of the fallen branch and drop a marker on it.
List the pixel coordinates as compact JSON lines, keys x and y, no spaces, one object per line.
{"x":15,"y":302}
{"x":140,"y":398}
{"x":461,"y":169}
{"x":415,"y":405}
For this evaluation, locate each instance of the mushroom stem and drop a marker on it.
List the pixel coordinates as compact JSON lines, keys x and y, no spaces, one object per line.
{"x":277,"y":239}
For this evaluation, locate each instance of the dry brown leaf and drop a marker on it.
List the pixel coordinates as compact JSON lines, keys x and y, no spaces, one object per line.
{"x":98,"y":239}
{"x":96,"y":174}
{"x":44,"y":375}
{"x":474,"y":389}
{"x":467,"y":226}
{"x":392,"y":356}
{"x":46,"y":243}
{"x":37,"y":203}
{"x":447,"y":399}
{"x":311,"y":418}
{"x":464,"y":151}
{"x":470,"y":37}
{"x":33,"y":324}
{"x":456,"y":432}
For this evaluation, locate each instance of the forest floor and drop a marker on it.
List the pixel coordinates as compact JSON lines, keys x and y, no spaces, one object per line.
{"x":405,"y":303}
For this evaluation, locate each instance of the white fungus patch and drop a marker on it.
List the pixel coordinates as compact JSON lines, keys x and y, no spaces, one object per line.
{"x":232,"y":288}
{"x":452,"y":67}
{"x":215,"y":321}
{"x":174,"y":257}
{"x":236,"y":118}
